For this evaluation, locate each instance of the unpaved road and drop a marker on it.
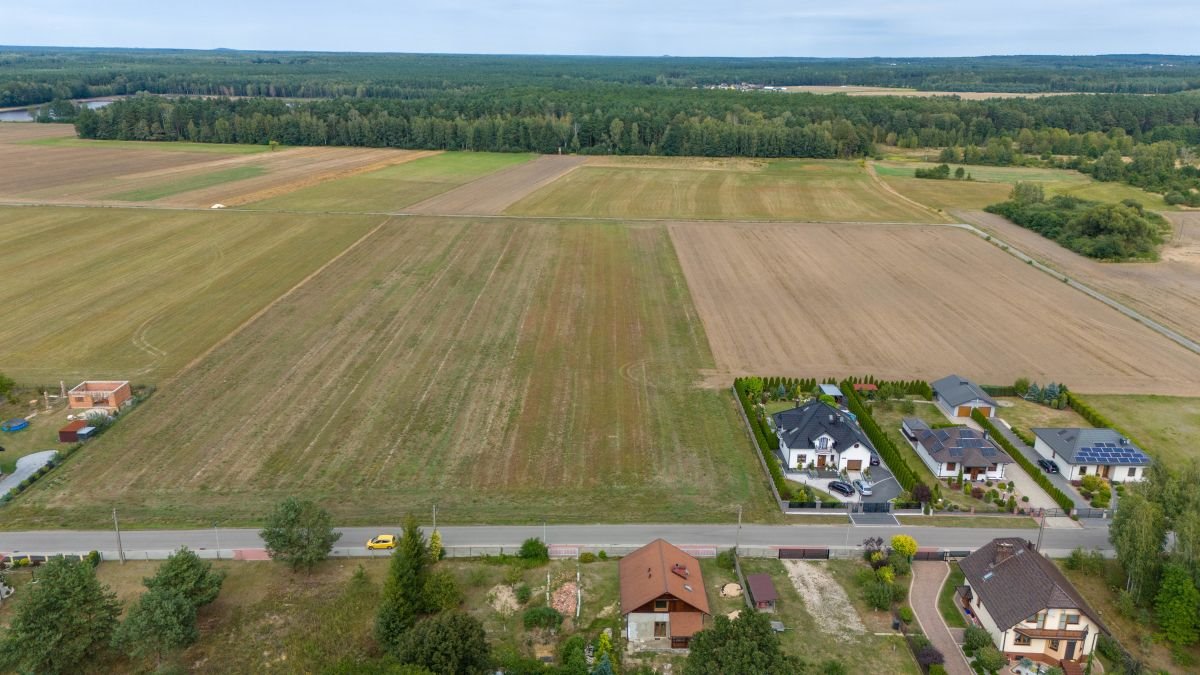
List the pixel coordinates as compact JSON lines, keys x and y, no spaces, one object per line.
{"x":1167,"y":291}
{"x":909,"y":301}
{"x":495,"y":192}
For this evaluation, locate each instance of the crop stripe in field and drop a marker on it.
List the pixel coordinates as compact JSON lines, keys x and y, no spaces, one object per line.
{"x":254,"y":317}
{"x":429,"y":381}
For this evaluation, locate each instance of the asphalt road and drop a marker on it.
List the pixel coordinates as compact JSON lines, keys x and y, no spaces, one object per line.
{"x":1055,"y":541}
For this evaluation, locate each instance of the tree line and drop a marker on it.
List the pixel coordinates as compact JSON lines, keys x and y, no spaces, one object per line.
{"x":32,"y":75}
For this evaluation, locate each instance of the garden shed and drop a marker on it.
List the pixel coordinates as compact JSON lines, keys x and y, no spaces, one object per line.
{"x":762,"y":592}
{"x":70,"y":433}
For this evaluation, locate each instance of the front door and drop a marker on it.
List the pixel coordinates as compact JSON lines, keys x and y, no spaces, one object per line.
{"x":1104,"y":471}
{"x":1070,"y":650}
{"x":820,"y":461}
{"x":975,"y":473}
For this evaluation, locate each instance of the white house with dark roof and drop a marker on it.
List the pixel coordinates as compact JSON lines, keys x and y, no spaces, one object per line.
{"x":949,"y":450}
{"x":819,"y":434}
{"x":1092,"y":452}
{"x":1028,"y":606}
{"x":957,"y":397}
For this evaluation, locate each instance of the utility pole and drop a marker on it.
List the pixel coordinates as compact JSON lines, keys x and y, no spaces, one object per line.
{"x":117,"y":527}
{"x":435,"y":517}
{"x":737,"y":542}
{"x":544,"y":539}
{"x":217,"y":532}
{"x":1041,"y":529}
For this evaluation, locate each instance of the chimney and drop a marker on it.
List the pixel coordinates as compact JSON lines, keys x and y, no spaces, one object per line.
{"x":831,"y":419}
{"x":1004,"y":551}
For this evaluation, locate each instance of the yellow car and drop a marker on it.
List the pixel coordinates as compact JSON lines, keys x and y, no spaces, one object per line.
{"x":383,"y":541}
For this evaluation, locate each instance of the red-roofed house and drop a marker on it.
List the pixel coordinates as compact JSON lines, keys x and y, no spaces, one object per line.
{"x":662,"y":596}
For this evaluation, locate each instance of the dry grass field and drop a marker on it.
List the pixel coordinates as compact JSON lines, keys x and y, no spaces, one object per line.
{"x":1167,"y":291}
{"x":686,"y":188}
{"x":1167,"y":426}
{"x":135,"y":293}
{"x":508,"y":371}
{"x":857,"y":90}
{"x":396,"y":187}
{"x":45,"y":167}
{"x":495,"y":192}
{"x":909,"y":301}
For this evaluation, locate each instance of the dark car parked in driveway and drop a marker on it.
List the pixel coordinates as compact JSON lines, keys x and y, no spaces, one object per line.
{"x":874,"y":460}
{"x":841,"y":488}
{"x":1048,"y":466}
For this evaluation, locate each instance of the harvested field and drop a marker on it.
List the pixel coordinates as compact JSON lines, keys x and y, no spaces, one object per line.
{"x":857,"y":90}
{"x":509,"y":371}
{"x":905,"y":302}
{"x":394,"y":188}
{"x":135,"y":294}
{"x":1167,"y":291}
{"x":810,"y":190}
{"x":497,"y":191}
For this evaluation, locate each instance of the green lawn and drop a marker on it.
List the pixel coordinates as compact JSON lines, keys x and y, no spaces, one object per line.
{"x":992,"y":174}
{"x":41,"y":434}
{"x":165,"y":146}
{"x":1011,"y":522}
{"x":186,"y":184}
{"x":1166,"y":426}
{"x":395,"y":187}
{"x":946,"y":601}
{"x":1026,"y":416}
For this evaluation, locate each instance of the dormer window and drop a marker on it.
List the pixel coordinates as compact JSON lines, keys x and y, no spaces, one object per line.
{"x":822,"y":443}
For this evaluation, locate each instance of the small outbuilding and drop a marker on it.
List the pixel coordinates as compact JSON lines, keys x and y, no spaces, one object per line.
{"x":86,"y":433}
{"x":70,"y":433}
{"x":959,"y":397}
{"x":762,"y":592}
{"x":833,"y":391}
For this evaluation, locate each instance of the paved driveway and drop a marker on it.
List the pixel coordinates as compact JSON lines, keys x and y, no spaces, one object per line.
{"x":883,"y":484}
{"x":927,"y":580}
{"x":1056,"y":479}
{"x":26,"y":467}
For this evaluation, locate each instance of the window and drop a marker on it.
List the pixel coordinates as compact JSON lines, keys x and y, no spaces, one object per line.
{"x":1132,"y":471}
{"x":800,"y":460}
{"x":660,"y":629}
{"x":822,"y":443}
{"x":660,"y":605}
{"x":1022,"y":640}
{"x":951,"y":466}
{"x":1072,"y":619}
{"x":1054,"y":645}
{"x":1083,"y":471}
{"x":1032,"y":619}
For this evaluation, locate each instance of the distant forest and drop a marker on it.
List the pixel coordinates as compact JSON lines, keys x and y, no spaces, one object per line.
{"x":30,"y":76}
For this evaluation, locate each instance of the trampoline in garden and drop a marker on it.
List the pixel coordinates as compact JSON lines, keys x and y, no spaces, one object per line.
{"x":15,"y":424}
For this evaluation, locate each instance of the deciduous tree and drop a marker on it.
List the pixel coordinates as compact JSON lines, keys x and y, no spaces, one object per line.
{"x":745,"y":645}
{"x":299,"y":533}
{"x":1177,"y":608}
{"x":447,"y":644}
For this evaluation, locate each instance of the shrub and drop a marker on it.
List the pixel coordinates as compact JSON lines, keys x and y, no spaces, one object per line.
{"x":725,"y":559}
{"x":975,"y":638}
{"x":937,"y":669}
{"x":93,"y":558}
{"x":534,"y":550}
{"x":603,"y":555}
{"x":899,"y":564}
{"x":1040,"y":478}
{"x":1025,"y":498}
{"x":587,"y":557}
{"x":878,"y":594}
{"x":906,"y":614}
{"x":929,"y":655}
{"x":524,"y":593}
{"x":542,"y":617}
{"x":477,"y":577}
{"x":990,"y":659}
{"x":977,"y":492}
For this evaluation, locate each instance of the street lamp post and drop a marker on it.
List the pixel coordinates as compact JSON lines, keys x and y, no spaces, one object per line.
{"x":737,"y":541}
{"x":117,"y":527}
{"x":217,"y":532}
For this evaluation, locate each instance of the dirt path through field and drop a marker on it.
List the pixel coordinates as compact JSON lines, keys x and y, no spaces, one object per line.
{"x":909,"y":302}
{"x":495,"y":192}
{"x":1167,"y":291}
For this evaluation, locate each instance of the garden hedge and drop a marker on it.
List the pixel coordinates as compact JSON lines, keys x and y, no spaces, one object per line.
{"x":883,"y":444}
{"x":1060,"y":497}
{"x":764,"y":438}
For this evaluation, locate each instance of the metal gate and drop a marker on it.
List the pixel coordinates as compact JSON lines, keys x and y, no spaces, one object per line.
{"x":804,"y":554}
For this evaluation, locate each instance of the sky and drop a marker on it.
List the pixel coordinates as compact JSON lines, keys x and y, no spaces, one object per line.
{"x":619,"y":27}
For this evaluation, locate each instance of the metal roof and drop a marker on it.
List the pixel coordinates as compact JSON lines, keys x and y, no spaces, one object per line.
{"x":1092,"y":446}
{"x":957,"y":390}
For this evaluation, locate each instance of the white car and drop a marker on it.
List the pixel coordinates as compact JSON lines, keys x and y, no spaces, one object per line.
{"x":863,"y":487}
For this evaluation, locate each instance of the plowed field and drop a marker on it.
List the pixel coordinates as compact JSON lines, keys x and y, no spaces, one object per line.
{"x":507,"y":371}
{"x":909,"y":301}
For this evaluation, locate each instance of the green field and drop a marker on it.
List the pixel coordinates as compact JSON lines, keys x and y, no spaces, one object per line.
{"x":135,"y":294}
{"x":991,"y":184}
{"x":507,"y":371}
{"x":188,"y":183}
{"x":801,"y":190}
{"x":395,"y":187}
{"x":164,"y":146}
{"x":41,"y":434}
{"x":1166,"y":426}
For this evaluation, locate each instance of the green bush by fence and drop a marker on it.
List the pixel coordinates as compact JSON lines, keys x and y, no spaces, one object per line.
{"x":999,"y":389}
{"x":883,"y":445}
{"x":767,"y":440}
{"x":1060,"y":497}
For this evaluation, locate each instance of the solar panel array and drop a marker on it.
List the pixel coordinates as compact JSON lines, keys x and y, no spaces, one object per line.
{"x":1110,"y":453}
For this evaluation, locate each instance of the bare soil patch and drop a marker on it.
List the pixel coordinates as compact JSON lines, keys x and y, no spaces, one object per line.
{"x":495,"y":192}
{"x":1167,"y":291}
{"x":905,"y":302}
{"x":825,"y":600}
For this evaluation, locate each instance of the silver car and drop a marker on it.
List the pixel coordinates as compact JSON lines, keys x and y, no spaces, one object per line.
{"x":863,"y":487}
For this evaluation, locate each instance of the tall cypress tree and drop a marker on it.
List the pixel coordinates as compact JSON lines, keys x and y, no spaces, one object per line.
{"x":404,"y":592}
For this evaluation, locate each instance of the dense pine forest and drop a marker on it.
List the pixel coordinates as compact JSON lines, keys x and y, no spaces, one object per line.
{"x":30,"y":76}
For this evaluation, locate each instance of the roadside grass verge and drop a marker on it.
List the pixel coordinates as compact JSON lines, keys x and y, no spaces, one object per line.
{"x":946,"y":603}
{"x":188,"y":183}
